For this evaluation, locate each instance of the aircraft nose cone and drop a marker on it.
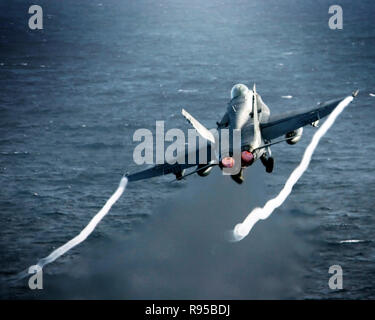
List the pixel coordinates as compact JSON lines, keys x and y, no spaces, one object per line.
{"x":238,"y":90}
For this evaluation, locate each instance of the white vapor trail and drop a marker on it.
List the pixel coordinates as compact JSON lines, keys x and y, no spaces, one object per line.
{"x":241,"y":230}
{"x":85,"y":232}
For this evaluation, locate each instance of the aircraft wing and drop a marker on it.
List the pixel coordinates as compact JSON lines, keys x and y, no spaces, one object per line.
{"x":280,"y":125}
{"x":184,"y":161}
{"x":158,"y":170}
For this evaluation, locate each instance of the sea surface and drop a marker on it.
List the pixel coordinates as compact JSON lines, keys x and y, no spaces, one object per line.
{"x":73,"y":94}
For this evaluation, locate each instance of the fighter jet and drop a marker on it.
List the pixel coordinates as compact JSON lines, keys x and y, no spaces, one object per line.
{"x":248,"y":114}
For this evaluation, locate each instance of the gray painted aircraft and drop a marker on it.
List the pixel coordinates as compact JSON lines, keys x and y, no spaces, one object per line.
{"x":248,"y":113}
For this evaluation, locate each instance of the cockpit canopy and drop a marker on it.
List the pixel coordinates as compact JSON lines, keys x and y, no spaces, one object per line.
{"x":238,"y":90}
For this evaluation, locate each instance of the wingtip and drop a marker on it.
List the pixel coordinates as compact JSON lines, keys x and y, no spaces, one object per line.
{"x":355,"y":93}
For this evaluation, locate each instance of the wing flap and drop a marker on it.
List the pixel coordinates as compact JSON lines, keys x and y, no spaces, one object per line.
{"x":158,"y":170}
{"x":184,"y":161}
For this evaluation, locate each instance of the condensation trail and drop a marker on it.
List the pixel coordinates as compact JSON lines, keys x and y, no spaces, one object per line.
{"x":85,"y":232}
{"x":241,"y":230}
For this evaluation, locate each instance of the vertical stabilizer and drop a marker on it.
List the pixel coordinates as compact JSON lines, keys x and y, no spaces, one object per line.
{"x":257,"y":140}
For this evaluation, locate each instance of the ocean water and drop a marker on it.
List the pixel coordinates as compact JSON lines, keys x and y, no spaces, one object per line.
{"x":73,"y":94}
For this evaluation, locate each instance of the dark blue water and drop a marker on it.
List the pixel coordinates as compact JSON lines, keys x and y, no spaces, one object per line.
{"x":73,"y":94}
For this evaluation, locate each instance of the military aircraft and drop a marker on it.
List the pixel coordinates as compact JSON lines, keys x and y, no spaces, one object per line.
{"x":248,"y":113}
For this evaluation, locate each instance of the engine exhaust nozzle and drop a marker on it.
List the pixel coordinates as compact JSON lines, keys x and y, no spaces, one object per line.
{"x":227,"y":162}
{"x":247,"y":158}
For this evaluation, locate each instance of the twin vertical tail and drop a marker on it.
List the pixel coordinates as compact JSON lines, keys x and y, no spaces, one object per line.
{"x":257,"y":140}
{"x":202,"y":130}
